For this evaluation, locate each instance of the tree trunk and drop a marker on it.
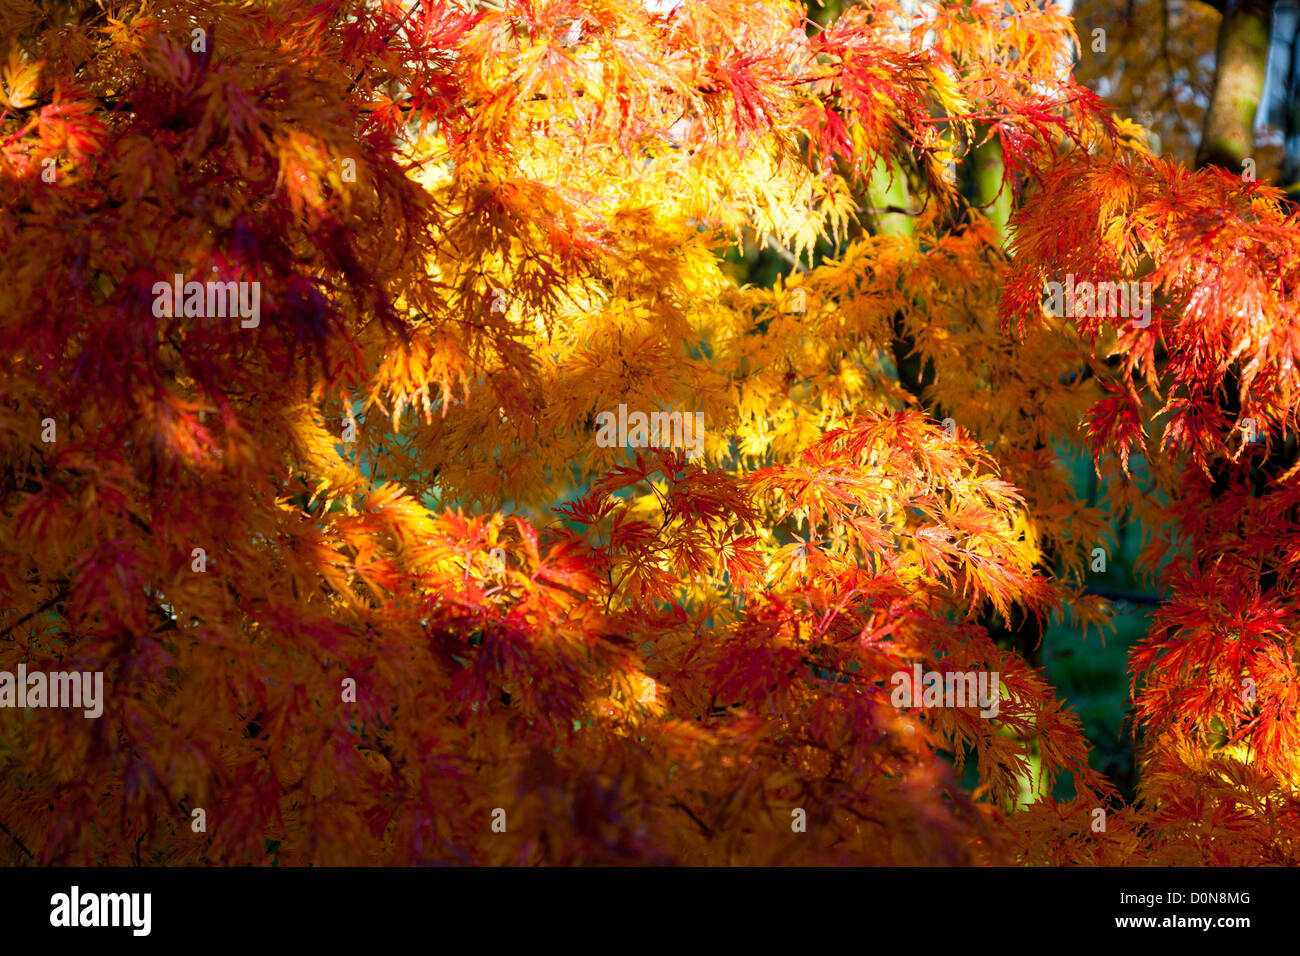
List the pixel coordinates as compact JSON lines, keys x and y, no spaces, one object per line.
{"x":1228,"y":136}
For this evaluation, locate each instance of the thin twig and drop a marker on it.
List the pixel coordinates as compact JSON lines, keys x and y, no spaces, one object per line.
{"x":30,"y":856}
{"x":786,"y":254}
{"x":58,"y":596}
{"x":1129,"y":596}
{"x":690,"y":813}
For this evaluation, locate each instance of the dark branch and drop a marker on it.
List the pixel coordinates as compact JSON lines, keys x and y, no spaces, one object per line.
{"x":19,"y":842}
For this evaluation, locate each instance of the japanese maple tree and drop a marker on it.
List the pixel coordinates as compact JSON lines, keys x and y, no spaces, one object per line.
{"x":365,"y":587}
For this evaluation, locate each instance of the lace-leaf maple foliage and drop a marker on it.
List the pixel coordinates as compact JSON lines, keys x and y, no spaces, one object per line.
{"x":365,"y":587}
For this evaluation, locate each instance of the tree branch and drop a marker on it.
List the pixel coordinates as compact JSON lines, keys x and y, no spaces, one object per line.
{"x":58,"y":596}
{"x":19,"y":842}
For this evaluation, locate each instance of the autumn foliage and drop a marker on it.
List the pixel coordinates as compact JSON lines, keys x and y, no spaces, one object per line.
{"x":359,"y":576}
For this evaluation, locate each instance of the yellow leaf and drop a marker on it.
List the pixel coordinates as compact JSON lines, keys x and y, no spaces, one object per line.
{"x":20,"y":76}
